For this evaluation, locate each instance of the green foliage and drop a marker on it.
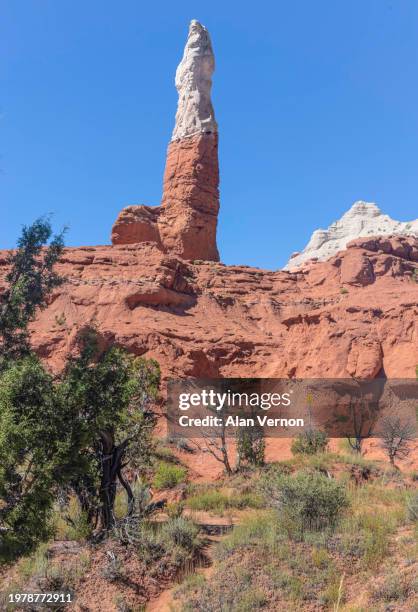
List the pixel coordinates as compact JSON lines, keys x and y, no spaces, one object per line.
{"x":107,"y":396}
{"x":31,"y":445}
{"x":168,"y":476}
{"x":306,"y":501}
{"x":32,"y":449}
{"x":366,"y":536}
{"x":310,"y":442}
{"x":175,"y":509}
{"x":74,"y":434}
{"x":29,"y":283}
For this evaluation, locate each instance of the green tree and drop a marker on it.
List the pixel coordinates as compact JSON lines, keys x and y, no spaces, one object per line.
{"x":107,"y":398}
{"x":76,"y":433}
{"x":30,"y":280}
{"x":31,"y":452}
{"x":30,"y":434}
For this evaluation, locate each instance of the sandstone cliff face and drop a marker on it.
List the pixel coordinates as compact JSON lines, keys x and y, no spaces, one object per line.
{"x":363,"y":219}
{"x":353,"y":315}
{"x":185,"y":223}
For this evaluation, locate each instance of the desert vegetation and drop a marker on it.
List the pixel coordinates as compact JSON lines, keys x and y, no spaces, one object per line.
{"x":319,"y":540}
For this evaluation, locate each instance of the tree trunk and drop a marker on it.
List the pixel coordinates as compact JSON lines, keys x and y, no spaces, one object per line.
{"x":111,"y":466}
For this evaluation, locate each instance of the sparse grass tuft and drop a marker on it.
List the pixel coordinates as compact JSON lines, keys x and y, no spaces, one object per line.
{"x":412,"y":507}
{"x":168,"y":476}
{"x":213,"y":500}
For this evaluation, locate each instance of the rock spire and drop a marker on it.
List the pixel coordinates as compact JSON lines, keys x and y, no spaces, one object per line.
{"x":185,"y":223}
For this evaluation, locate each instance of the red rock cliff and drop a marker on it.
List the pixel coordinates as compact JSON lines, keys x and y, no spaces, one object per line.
{"x":354,"y":315}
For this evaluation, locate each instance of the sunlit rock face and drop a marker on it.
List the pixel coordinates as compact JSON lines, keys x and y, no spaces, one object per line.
{"x":362,"y":220}
{"x":195,"y":114}
{"x":186,"y":222}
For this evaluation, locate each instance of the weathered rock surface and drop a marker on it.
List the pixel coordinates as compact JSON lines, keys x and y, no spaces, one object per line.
{"x":191,"y":198}
{"x":195,"y":114}
{"x":363,"y":219}
{"x":209,"y":319}
{"x":137,"y":224}
{"x":185,"y":223}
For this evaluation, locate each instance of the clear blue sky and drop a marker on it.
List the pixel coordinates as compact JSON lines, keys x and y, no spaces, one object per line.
{"x":317,"y":105}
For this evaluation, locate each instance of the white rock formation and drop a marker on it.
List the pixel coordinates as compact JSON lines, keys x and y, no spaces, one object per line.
{"x":195,"y":113}
{"x":363,"y":219}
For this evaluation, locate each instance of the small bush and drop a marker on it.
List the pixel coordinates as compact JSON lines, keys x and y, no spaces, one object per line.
{"x":168,"y":476}
{"x":251,"y":447}
{"x":306,"y":502}
{"x":177,"y":540}
{"x":181,"y":532}
{"x":310,"y":442}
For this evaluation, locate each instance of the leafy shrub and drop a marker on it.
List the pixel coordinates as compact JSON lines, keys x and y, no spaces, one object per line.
{"x":310,"y":442}
{"x":307,"y":501}
{"x":168,"y":476}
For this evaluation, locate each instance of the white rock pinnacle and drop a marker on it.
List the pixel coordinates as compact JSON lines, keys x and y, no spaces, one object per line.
{"x":193,"y":82}
{"x":363,"y":219}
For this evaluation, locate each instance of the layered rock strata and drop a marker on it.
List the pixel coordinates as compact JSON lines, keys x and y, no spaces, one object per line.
{"x":353,"y":315}
{"x":185,"y":223}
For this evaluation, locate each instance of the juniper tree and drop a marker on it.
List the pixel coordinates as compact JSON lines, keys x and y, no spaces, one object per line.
{"x":30,"y":280}
{"x":31,"y":445}
{"x":76,"y":432}
{"x":107,"y":396}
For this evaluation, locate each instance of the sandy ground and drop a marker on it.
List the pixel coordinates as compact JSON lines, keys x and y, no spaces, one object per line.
{"x":204,"y":467}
